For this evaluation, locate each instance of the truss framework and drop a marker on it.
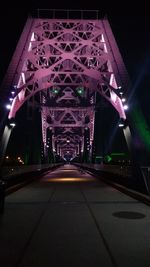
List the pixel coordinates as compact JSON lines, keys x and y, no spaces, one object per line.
{"x":67,"y":62}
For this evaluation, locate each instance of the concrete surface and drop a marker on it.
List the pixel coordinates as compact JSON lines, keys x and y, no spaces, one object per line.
{"x":69,"y":218}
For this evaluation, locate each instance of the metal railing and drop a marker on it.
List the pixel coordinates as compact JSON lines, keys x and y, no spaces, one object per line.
{"x":15,"y":170}
{"x":67,"y":13}
{"x":146,"y":177}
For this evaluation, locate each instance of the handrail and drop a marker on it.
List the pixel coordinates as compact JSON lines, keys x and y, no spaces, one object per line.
{"x":69,"y":13}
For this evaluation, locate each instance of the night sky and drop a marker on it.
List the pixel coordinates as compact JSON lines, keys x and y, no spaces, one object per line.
{"x":130,"y":25}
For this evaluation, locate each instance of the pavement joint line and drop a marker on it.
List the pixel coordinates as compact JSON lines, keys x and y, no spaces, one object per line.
{"x":113,"y":261}
{"x":72,"y":202}
{"x":22,"y":254}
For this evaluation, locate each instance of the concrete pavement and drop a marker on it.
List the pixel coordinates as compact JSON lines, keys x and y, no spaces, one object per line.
{"x":69,"y":218}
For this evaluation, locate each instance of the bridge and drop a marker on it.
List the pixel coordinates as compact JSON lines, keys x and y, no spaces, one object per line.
{"x":65,"y":85}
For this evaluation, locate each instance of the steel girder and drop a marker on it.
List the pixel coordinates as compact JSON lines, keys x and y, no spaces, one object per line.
{"x":68,"y":61}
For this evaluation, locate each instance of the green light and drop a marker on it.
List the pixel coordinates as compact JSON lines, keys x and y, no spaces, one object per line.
{"x":108,"y":158}
{"x":141,"y":126}
{"x":117,"y":154}
{"x":55,"y":90}
{"x":80,"y":90}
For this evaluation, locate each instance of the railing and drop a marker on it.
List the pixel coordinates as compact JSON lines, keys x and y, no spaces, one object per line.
{"x":67,"y":13}
{"x":122,"y":170}
{"x":146,"y":177}
{"x":13,"y":170}
{"x":124,"y":175}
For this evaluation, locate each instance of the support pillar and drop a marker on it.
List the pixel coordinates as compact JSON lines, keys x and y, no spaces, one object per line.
{"x":4,"y":142}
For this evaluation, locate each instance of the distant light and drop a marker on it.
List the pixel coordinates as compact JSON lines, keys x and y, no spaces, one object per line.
{"x":8,"y":106}
{"x":68,"y":179}
{"x":7,"y":157}
{"x":123,"y":100}
{"x":47,"y":146}
{"x":119,"y":87}
{"x":121,"y":93}
{"x":12,"y":92}
{"x":125,"y":107}
{"x":11,"y":99}
{"x":68,"y":141}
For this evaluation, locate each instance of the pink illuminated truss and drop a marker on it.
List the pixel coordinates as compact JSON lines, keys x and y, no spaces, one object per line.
{"x":67,"y":61}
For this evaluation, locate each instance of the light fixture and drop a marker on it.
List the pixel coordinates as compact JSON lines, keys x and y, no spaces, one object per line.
{"x":125,"y":107}
{"x":8,"y":106}
{"x":121,"y":124}
{"x":11,"y":123}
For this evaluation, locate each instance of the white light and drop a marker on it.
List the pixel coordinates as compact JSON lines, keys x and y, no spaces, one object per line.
{"x":68,"y":141}
{"x":119,"y":87}
{"x":11,"y":99}
{"x":123,"y":100}
{"x":47,"y":146}
{"x":8,"y":106}
{"x":121,"y":124}
{"x":125,"y":107}
{"x":12,"y":124}
{"x":12,"y":92}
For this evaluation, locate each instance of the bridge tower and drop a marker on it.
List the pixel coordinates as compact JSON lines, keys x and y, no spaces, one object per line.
{"x":60,"y":65}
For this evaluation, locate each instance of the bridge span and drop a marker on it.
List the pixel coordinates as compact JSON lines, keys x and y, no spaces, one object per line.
{"x":68,"y":217}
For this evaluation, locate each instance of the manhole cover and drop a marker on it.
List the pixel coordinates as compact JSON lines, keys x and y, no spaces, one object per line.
{"x":129,"y":215}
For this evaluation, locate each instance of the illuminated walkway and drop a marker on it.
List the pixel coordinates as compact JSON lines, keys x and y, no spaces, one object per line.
{"x":68,"y":218}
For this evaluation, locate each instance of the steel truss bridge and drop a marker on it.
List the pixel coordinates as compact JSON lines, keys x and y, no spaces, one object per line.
{"x":60,"y":65}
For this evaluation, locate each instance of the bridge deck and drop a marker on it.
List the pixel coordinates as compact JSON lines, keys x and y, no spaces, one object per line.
{"x":69,"y":218}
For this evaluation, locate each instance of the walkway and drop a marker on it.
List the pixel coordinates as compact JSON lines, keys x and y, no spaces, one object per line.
{"x":70,"y":219}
